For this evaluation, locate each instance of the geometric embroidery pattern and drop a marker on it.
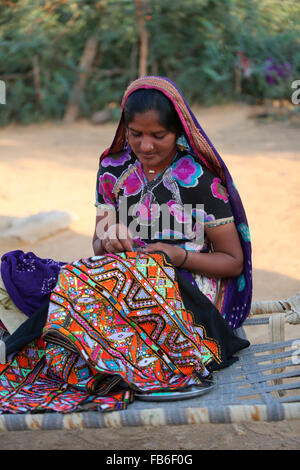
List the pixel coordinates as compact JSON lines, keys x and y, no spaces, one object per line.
{"x":111,"y":318}
{"x":124,"y":315}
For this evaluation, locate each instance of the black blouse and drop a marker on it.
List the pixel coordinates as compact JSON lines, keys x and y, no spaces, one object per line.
{"x":175,"y":207}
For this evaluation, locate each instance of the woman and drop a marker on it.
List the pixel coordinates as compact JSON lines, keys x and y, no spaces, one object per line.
{"x":150,"y":312}
{"x":162,"y":158}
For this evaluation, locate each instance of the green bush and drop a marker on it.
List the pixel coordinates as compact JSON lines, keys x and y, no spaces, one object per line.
{"x":196,"y":43}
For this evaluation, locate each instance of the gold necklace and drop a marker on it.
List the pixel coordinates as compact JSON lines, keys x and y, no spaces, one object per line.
{"x":161,"y":169}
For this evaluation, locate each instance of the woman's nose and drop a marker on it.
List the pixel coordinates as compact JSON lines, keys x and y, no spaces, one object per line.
{"x":146,"y":144}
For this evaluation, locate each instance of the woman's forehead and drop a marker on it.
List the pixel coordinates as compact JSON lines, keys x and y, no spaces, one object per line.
{"x":150,"y":118}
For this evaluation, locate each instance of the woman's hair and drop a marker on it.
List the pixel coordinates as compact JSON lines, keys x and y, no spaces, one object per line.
{"x":144,"y":100}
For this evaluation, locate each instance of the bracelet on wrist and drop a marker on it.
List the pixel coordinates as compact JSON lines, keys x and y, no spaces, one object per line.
{"x":185,"y":258}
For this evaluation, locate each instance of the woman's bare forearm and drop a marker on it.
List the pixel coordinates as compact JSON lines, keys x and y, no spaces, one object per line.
{"x":214,"y":264}
{"x":226,"y":259}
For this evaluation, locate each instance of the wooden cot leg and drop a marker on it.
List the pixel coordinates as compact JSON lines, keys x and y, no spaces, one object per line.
{"x":277,"y":334}
{"x":2,"y":352}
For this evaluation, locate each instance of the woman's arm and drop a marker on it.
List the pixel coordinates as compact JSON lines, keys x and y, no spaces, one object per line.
{"x":226,"y":260}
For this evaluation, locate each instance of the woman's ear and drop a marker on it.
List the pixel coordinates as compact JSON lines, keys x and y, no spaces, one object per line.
{"x":126,"y":138}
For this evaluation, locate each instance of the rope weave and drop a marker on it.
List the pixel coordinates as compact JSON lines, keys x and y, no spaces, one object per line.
{"x":263,"y":385}
{"x":290,"y":307}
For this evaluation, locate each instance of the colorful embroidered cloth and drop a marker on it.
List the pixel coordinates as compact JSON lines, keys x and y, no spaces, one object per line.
{"x":29,"y":384}
{"x":116,"y":323}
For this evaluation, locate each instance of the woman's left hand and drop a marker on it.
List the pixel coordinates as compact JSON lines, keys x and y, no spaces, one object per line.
{"x":175,"y":253}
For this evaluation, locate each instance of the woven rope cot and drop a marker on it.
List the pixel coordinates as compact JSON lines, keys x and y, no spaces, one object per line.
{"x":263,"y":385}
{"x":290,"y":307}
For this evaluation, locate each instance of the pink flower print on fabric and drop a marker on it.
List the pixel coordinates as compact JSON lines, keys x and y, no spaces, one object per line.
{"x":177,"y":211}
{"x":106,"y":186}
{"x":186,"y":171}
{"x":132,"y":184}
{"x":200,"y":217}
{"x":115,"y":160}
{"x":147,"y":210}
{"x":218,"y":190}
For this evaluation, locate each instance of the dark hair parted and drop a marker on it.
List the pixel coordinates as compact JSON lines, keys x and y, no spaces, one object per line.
{"x":141,"y":101}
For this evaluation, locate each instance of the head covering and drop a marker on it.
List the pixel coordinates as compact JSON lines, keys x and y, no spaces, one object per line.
{"x":29,"y":279}
{"x":236,"y":293}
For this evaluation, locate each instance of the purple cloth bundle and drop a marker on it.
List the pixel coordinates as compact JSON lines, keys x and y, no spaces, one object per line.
{"x":29,"y":279}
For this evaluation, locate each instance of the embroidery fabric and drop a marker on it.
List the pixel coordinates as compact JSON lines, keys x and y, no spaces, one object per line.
{"x":115,"y":324}
{"x":28,"y":384}
{"x":125,"y":315}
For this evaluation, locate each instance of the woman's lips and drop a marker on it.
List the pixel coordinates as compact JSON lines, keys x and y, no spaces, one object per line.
{"x":148,"y":155}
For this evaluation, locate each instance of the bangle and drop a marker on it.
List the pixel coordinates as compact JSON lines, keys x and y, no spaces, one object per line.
{"x":185,"y":258}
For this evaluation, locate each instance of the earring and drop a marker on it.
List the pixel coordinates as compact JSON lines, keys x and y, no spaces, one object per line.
{"x":126,"y":145}
{"x":182,"y":143}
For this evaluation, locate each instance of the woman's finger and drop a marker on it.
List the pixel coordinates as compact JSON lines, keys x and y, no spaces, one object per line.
{"x":119,"y":237}
{"x":125,"y":237}
{"x":116,"y":246}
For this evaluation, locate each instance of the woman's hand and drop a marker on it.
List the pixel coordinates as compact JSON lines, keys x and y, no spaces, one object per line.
{"x":175,"y":253}
{"x":226,"y":260}
{"x":116,"y":239}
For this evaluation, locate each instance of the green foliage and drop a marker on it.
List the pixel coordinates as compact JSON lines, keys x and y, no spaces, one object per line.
{"x":195,"y":43}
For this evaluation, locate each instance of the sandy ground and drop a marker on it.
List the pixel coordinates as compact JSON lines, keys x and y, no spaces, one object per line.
{"x":53,"y":166}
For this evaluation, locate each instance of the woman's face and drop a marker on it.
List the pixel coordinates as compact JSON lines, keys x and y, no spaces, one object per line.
{"x":151,"y":142}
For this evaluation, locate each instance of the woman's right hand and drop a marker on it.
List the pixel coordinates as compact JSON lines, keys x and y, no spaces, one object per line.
{"x":116,"y":239}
